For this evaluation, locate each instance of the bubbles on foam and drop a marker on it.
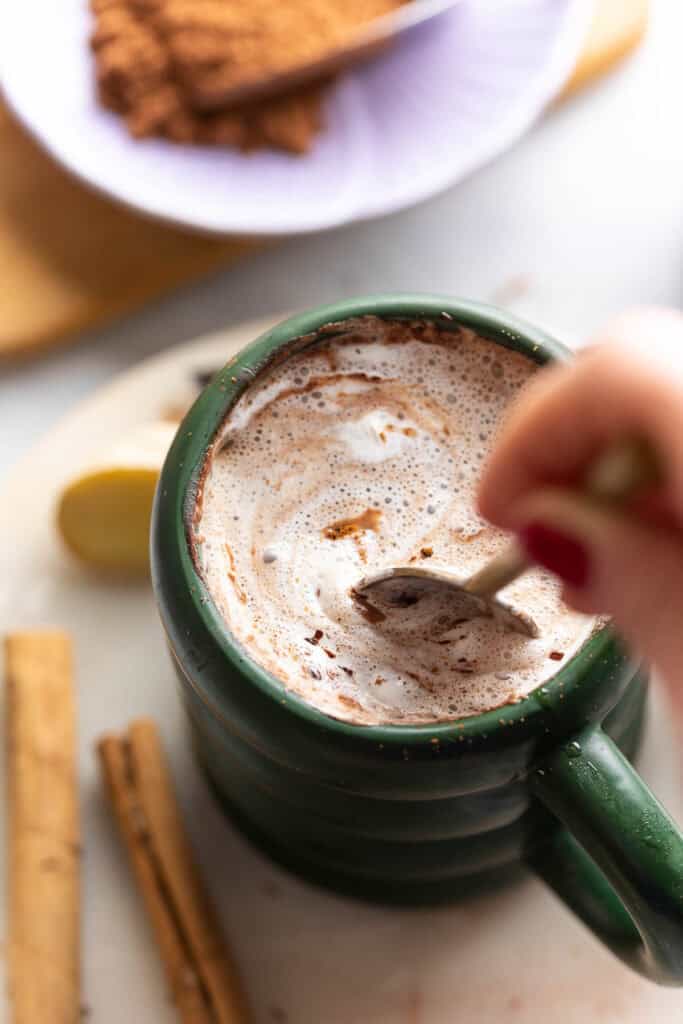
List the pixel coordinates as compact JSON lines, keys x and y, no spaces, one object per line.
{"x":293,"y":467}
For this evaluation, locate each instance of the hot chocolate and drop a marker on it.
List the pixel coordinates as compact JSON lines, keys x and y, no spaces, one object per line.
{"x":360,"y":451}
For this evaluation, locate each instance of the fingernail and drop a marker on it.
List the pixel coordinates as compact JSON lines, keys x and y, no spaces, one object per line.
{"x":557,"y":551}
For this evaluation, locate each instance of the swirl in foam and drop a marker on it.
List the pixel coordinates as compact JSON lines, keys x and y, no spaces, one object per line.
{"x":355,"y":453}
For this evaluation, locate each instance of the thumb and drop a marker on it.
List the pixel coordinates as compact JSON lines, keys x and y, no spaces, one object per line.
{"x":612,"y":563}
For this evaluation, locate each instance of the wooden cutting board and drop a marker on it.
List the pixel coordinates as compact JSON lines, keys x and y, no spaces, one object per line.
{"x":70,"y":259}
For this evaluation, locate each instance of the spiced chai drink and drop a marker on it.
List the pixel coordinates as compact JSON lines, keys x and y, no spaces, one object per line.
{"x":360,"y":452}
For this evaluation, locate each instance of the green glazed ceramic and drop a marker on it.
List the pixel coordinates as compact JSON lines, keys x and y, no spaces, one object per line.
{"x":420,"y":814}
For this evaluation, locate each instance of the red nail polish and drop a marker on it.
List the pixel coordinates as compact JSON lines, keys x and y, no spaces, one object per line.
{"x":558,"y":552}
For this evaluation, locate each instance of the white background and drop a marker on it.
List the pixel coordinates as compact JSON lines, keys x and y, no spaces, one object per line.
{"x":582,"y":218}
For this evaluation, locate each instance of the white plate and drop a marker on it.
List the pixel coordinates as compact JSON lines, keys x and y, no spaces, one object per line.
{"x":450,"y":96}
{"x":517,"y":957}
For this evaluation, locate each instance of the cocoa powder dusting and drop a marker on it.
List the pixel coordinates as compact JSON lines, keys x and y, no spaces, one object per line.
{"x":169,"y":66}
{"x":367,"y":520}
{"x":349,"y":702}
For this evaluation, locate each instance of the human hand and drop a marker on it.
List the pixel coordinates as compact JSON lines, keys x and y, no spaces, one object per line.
{"x":628,"y":563}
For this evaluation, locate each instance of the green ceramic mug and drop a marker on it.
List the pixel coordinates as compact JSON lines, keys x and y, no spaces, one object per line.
{"x":418,"y":814}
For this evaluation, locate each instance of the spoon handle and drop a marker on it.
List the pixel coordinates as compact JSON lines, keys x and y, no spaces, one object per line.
{"x":619,"y":474}
{"x":498,"y":572}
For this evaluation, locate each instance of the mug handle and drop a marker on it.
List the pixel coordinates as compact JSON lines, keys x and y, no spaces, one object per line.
{"x":618,"y":863}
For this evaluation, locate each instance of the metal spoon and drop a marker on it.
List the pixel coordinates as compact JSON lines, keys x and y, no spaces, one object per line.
{"x":364,"y":43}
{"x":616,"y":476}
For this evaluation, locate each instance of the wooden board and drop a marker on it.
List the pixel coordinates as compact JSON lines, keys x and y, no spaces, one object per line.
{"x":618,"y":27}
{"x":71,"y":259}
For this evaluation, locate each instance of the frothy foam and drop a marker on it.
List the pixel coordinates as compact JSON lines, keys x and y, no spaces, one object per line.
{"x":358,"y":453}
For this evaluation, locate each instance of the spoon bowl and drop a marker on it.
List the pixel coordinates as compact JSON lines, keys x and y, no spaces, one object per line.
{"x":404,"y":585}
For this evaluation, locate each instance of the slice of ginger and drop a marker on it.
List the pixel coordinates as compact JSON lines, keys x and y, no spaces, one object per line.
{"x":104,"y":512}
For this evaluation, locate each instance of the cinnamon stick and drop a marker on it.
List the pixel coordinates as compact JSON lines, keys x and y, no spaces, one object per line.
{"x":202,"y":978}
{"x":44,"y":841}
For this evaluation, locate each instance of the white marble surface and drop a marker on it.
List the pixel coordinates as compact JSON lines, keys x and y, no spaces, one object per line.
{"x":583,"y":217}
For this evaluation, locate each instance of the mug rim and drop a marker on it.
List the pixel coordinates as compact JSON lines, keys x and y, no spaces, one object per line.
{"x":180,"y":479}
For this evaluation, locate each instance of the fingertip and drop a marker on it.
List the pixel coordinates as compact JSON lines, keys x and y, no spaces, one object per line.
{"x":580,"y":600}
{"x":488,"y":500}
{"x":482,"y":501}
